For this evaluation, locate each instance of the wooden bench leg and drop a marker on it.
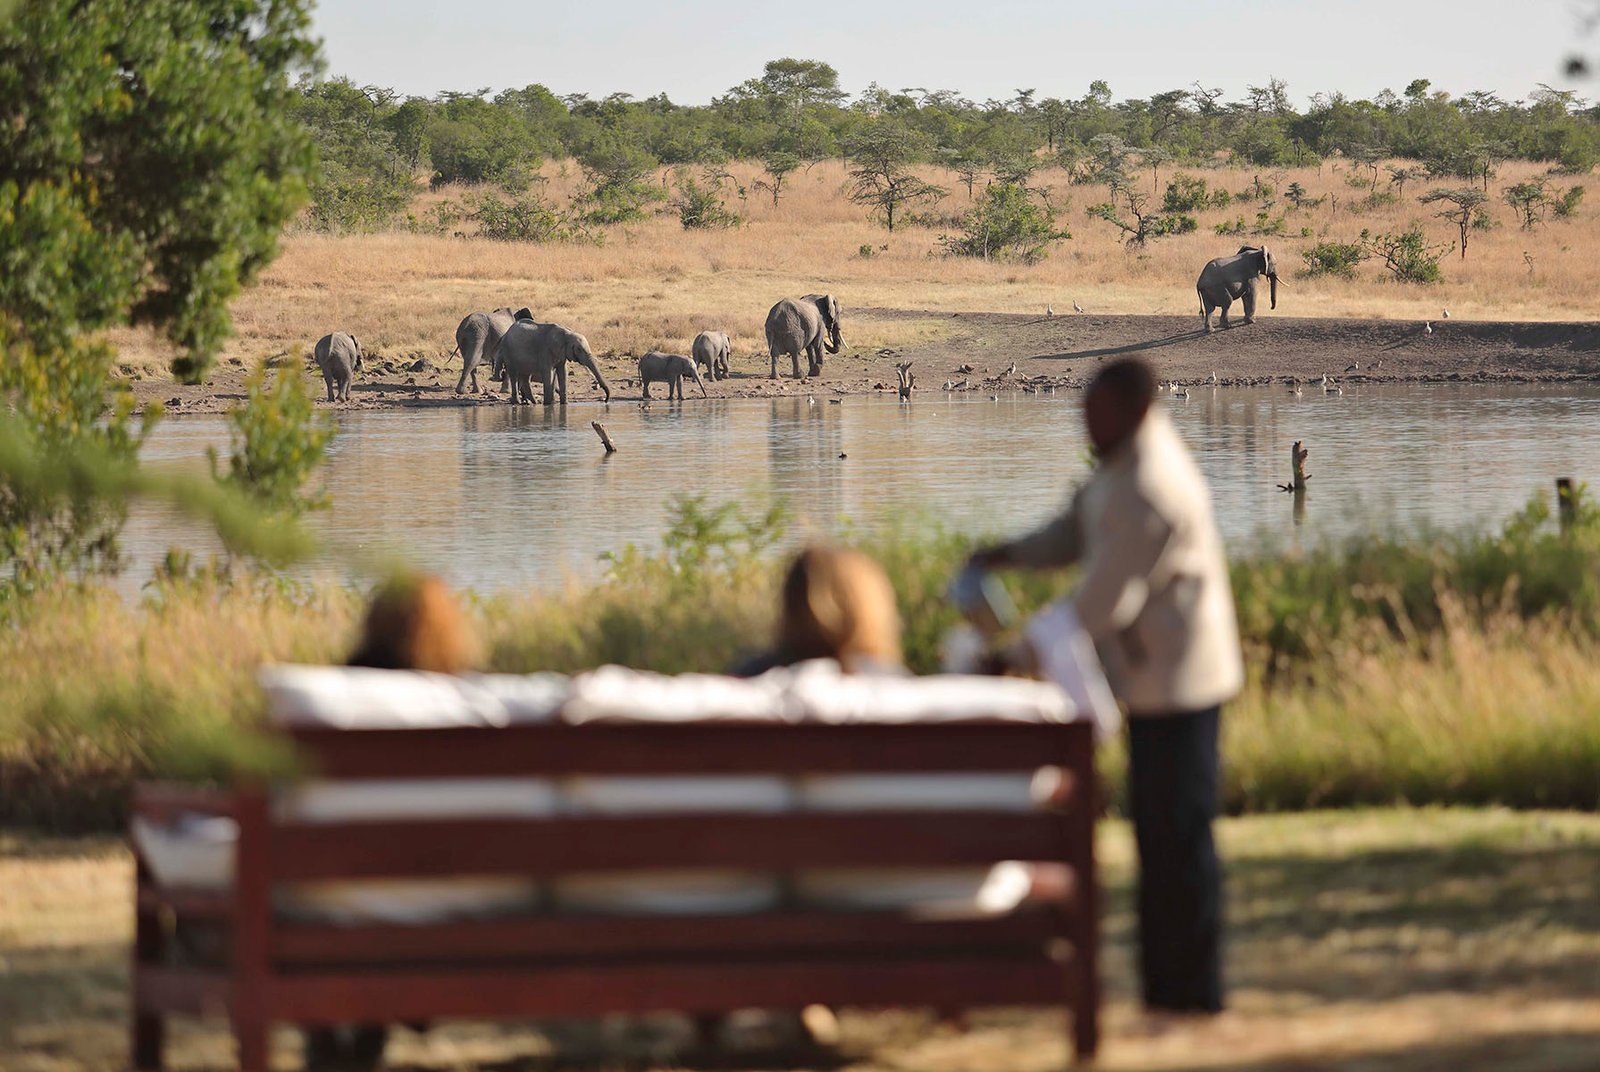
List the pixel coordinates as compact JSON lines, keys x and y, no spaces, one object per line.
{"x":148,"y":1030}
{"x":252,"y":1039}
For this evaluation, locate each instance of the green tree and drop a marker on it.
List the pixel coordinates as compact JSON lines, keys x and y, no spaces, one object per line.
{"x":1466,"y":207}
{"x":700,"y":204}
{"x":1009,"y":223}
{"x":1530,"y":200}
{"x":1407,"y":255}
{"x":881,"y":154}
{"x":1137,"y":222}
{"x":277,"y":443}
{"x":364,"y":179}
{"x":149,"y":159}
{"x":777,"y":167}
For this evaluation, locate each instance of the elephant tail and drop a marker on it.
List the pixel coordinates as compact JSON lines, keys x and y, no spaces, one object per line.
{"x":1198,"y":293}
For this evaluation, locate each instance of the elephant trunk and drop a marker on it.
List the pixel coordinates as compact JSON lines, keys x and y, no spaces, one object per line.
{"x":600,"y":380}
{"x":835,"y":340}
{"x":695,"y":371}
{"x":1273,"y":280}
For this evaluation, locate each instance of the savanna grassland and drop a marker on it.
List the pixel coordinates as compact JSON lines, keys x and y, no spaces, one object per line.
{"x":653,"y":284}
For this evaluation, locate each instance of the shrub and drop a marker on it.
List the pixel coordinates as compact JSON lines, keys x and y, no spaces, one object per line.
{"x":1566,"y":206}
{"x":278,"y":442}
{"x":1407,"y":254}
{"x":1008,"y":223}
{"x":1186,"y":193}
{"x":702,"y":207}
{"x":1334,"y":258}
{"x":527,"y":219}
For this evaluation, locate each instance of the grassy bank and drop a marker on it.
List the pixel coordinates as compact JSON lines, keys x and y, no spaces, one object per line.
{"x":1376,"y":940}
{"x":1456,"y":670}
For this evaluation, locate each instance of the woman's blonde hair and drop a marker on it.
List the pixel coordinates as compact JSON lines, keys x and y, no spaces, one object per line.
{"x":415,"y":623}
{"x":838,"y":603}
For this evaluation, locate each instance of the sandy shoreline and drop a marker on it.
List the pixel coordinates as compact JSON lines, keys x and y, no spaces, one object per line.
{"x":1058,"y":352}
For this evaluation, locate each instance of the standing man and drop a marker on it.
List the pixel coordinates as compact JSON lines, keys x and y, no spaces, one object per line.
{"x":1154,"y":595}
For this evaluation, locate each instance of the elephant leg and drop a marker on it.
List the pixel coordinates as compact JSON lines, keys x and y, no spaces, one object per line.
{"x":561,"y":381}
{"x":794,"y":356}
{"x":328,"y":382}
{"x":1250,"y":301}
{"x":1222,"y":307}
{"x":644,"y":389}
{"x":774,"y":373}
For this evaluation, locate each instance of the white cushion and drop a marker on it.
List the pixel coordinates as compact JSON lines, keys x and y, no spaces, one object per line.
{"x":820,"y":692}
{"x":356,"y":698}
{"x":704,"y":892}
{"x":916,"y":792}
{"x":667,"y":795}
{"x":419,"y":798}
{"x":995,"y":889}
{"x":618,"y":694}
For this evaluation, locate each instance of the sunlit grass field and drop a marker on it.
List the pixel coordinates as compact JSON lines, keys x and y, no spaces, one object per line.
{"x":653,"y":284}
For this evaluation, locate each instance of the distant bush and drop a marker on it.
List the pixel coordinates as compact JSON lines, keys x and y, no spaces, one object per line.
{"x":528,"y":218}
{"x":1185,"y":193}
{"x":1008,"y":223}
{"x":701,"y":207}
{"x":1407,"y":254}
{"x":1566,"y":206}
{"x":1334,"y":258}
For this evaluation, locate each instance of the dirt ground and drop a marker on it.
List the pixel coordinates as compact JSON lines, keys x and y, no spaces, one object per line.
{"x":1048,"y":352}
{"x":1389,"y":940}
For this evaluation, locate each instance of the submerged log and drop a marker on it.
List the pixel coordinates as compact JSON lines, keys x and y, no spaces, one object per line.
{"x":600,"y":430}
{"x":908,"y":380}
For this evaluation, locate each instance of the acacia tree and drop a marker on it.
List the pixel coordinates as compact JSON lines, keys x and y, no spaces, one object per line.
{"x":776,"y":167}
{"x":1530,"y":200}
{"x":148,"y":162}
{"x":1466,"y":205}
{"x":881,"y":154}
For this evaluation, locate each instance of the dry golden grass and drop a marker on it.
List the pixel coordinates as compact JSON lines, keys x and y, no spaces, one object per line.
{"x":1384,"y":941}
{"x":654,"y":284}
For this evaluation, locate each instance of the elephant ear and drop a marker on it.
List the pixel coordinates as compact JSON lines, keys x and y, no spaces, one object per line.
{"x":828,"y":306}
{"x":523,"y":314}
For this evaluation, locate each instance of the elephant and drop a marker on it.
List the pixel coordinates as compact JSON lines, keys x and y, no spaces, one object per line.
{"x":712,"y":349}
{"x":478,"y":338}
{"x":530,"y":349}
{"x":339,"y":357}
{"x":656,"y":366}
{"x":799,"y":324}
{"x":1227,"y":278}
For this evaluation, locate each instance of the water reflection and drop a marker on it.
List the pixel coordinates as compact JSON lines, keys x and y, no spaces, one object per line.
{"x":498,"y":497}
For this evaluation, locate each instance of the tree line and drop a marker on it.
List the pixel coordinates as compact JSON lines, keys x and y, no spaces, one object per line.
{"x":374,"y":143}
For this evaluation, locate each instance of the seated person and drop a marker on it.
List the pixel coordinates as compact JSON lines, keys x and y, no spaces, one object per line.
{"x":837,"y":604}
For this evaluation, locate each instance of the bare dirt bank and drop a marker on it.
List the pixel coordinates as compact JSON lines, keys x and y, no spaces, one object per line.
{"x":1059,"y":351}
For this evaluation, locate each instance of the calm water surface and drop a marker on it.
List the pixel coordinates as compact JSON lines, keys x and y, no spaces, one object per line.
{"x":496,"y":497}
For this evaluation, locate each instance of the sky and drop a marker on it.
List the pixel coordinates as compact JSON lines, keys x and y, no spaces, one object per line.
{"x":983,"y":49}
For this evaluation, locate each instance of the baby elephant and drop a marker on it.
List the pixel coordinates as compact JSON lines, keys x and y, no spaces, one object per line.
{"x":711,"y":349}
{"x":339,"y":357}
{"x":655,"y":367}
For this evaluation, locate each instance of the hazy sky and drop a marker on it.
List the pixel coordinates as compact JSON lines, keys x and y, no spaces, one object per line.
{"x":982,"y":48}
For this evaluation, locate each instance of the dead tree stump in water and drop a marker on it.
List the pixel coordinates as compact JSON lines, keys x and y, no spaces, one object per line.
{"x":600,"y":430}
{"x":908,"y":380}
{"x":1297,"y":460}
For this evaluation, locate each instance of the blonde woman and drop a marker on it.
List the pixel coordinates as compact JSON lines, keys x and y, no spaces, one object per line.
{"x":837,"y":604}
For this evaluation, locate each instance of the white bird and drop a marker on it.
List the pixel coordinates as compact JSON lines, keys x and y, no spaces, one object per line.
{"x":1076,"y":307}
{"x":1335,"y":390}
{"x":1327,"y":381}
{"x":835,"y":401}
{"x":1427,"y":328}
{"x":994,"y":398}
{"x":1180,"y":392}
{"x":1012,"y":371}
{"x":1049,"y":311}
{"x":810,"y":400}
{"x":1294,"y":389}
{"x":1212,"y":380}
{"x":1447,"y":314}
{"x":1354,"y":366}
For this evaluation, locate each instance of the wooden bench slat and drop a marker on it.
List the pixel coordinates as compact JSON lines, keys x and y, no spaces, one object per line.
{"x":641,"y":937}
{"x":690,"y":749}
{"x":949,"y":983}
{"x":189,"y":903}
{"x":195,"y":991}
{"x":540,"y":847}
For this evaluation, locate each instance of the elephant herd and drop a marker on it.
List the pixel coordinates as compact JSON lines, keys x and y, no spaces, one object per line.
{"x":519,"y":350}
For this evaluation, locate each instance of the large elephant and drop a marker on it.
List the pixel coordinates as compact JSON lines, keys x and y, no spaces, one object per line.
{"x":530,"y":349}
{"x":657,"y":367}
{"x":478,"y":338}
{"x":1227,"y":278}
{"x":807,"y":324}
{"x":339,"y":357}
{"x":712,"y":349}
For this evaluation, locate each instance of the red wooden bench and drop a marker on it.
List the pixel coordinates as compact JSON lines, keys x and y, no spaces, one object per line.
{"x":554,"y":965}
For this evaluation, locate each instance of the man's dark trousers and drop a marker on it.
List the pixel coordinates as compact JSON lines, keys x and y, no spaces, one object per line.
{"x":1172,"y":789}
